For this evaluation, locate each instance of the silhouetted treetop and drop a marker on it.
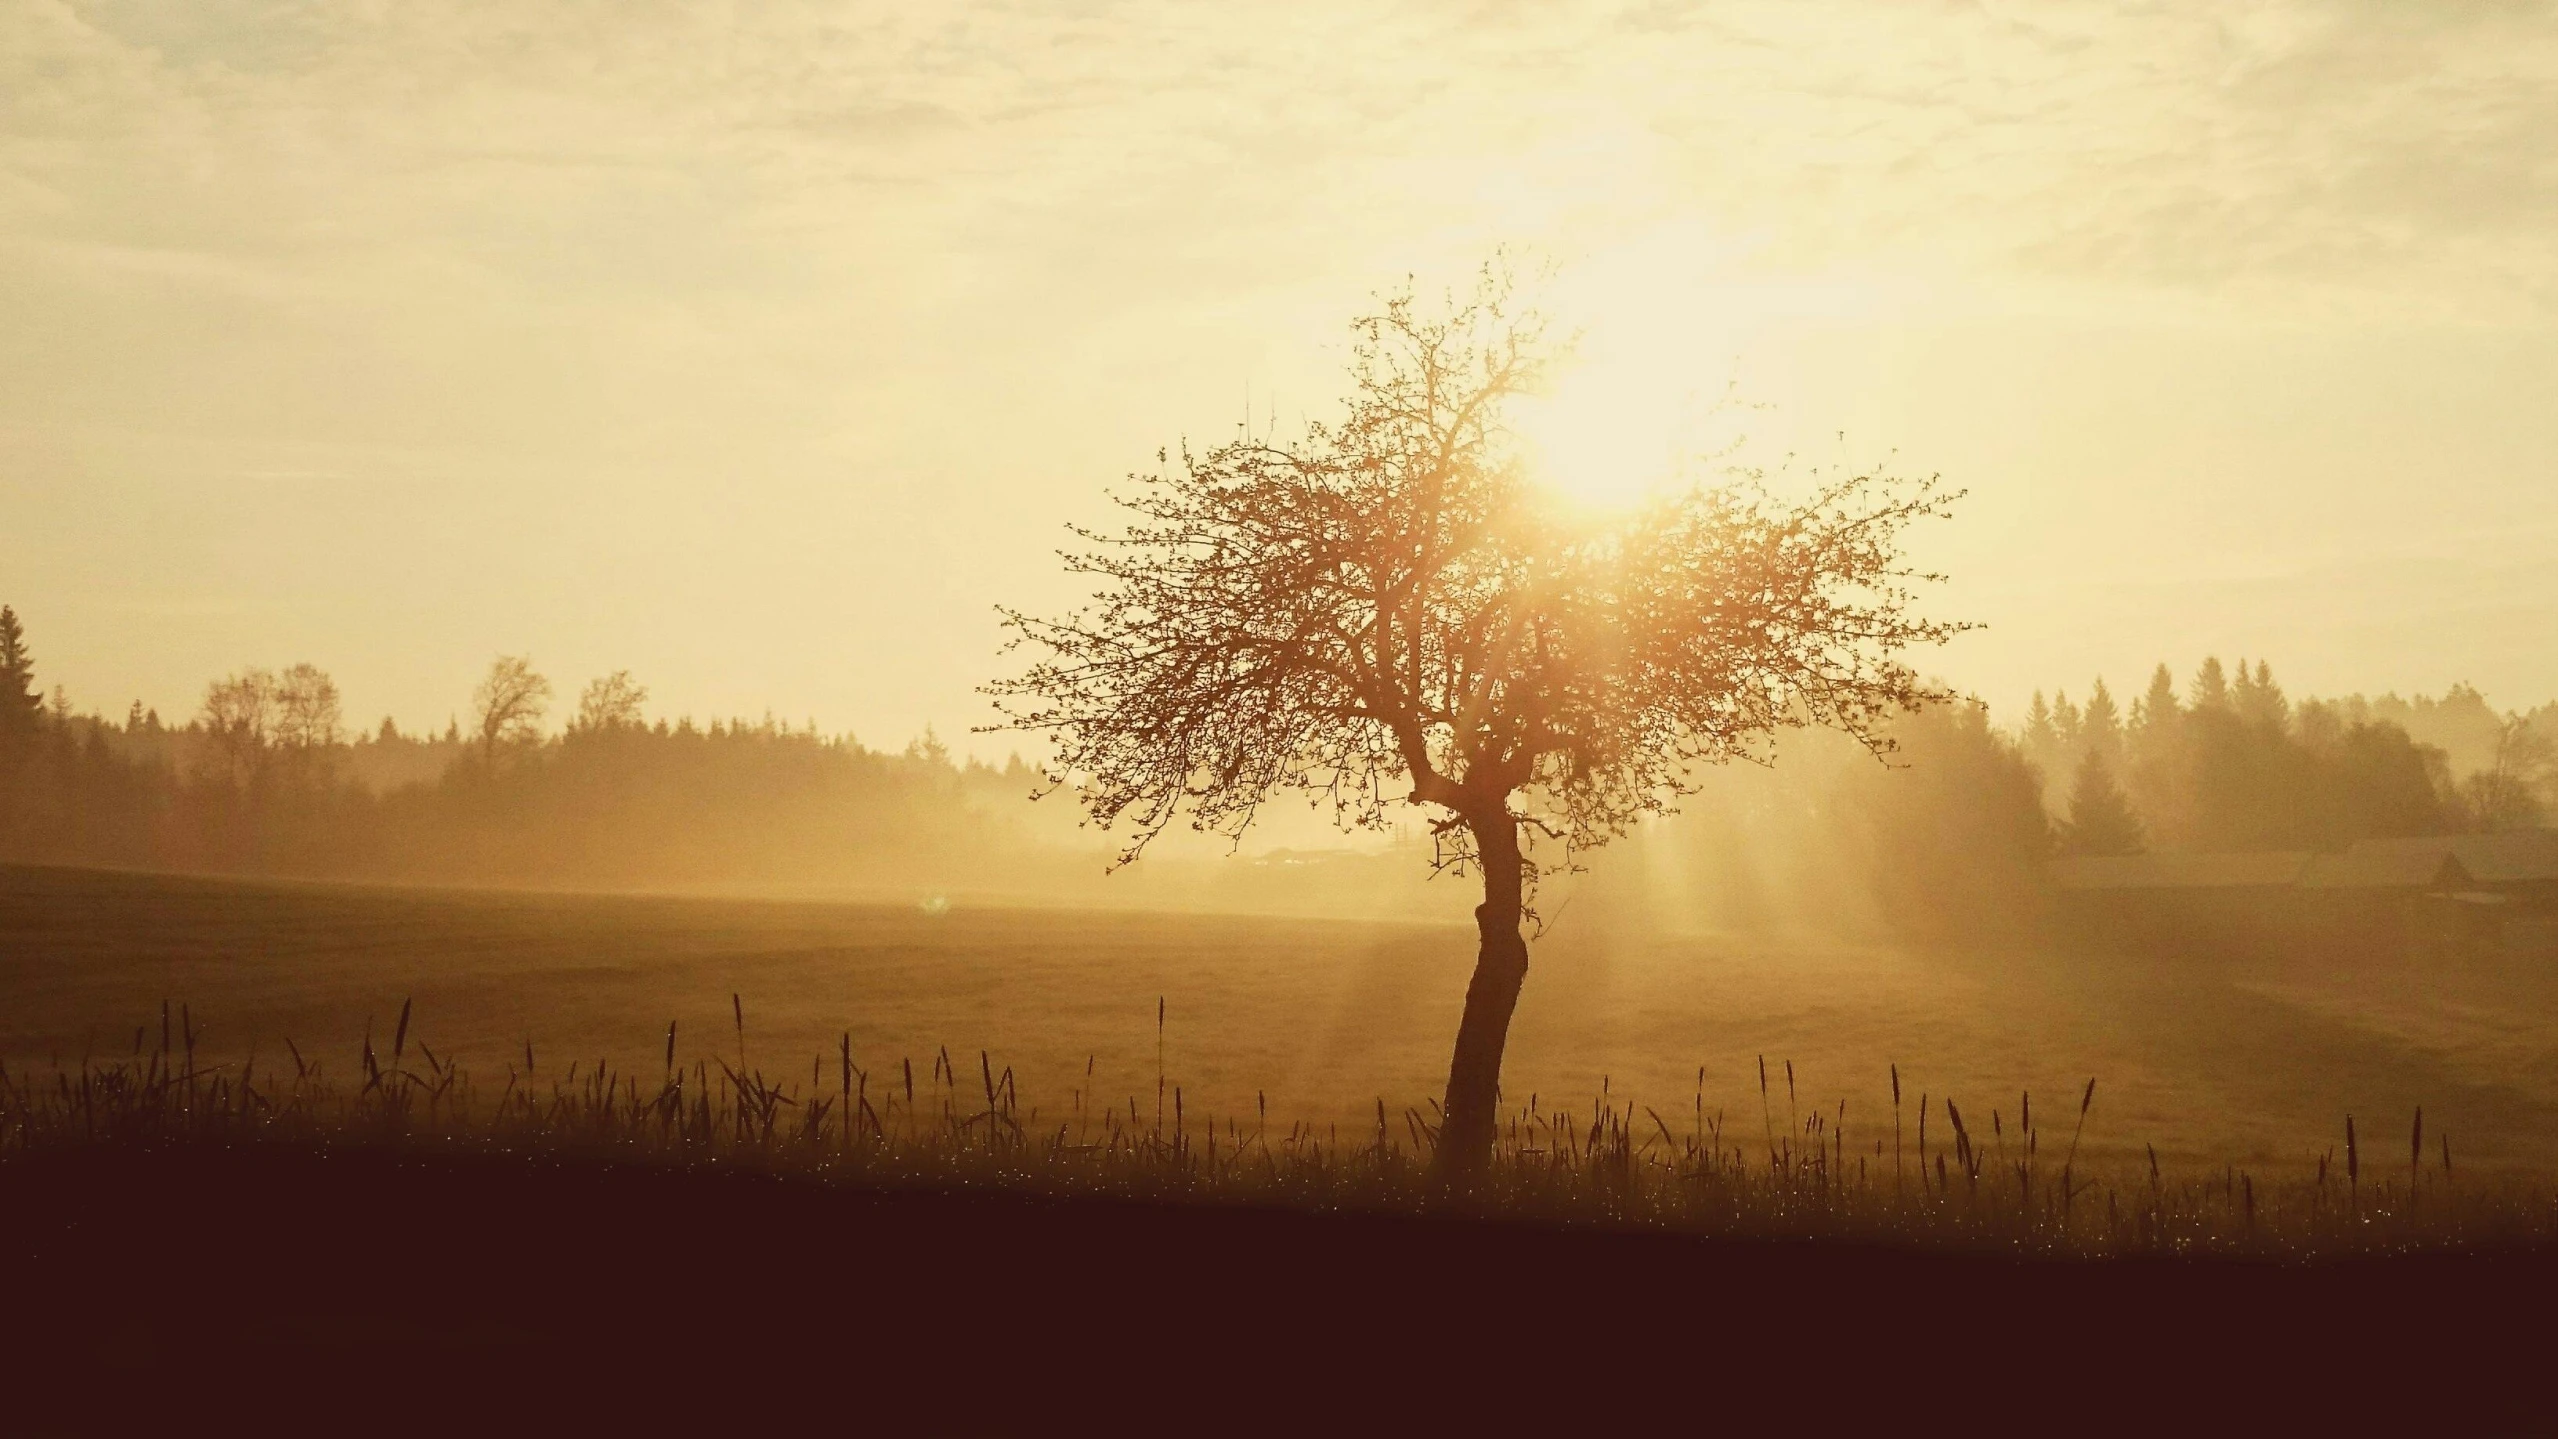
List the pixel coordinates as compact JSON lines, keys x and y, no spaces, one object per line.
{"x":307,"y":712}
{"x":1388,"y":608}
{"x":239,"y":716}
{"x":2158,"y":708}
{"x":2243,"y":767}
{"x":21,"y":699}
{"x":509,"y":703}
{"x":610,"y":702}
{"x":2101,"y":820}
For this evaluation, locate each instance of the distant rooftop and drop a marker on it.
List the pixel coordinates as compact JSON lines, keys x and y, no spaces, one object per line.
{"x":2514,"y":856}
{"x":2386,"y":866}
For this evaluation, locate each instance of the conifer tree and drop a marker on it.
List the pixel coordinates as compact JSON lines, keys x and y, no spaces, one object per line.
{"x":2039,"y":735}
{"x":2040,"y":742}
{"x":20,"y":700}
{"x":2101,"y":821}
{"x":2211,"y":686}
{"x":2157,"y":709}
{"x":2066,"y":722}
{"x":2154,"y":756}
{"x":2101,"y":724}
{"x":2260,"y":701}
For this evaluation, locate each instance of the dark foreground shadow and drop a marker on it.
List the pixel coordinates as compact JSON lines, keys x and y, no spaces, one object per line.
{"x":371,"y":1292}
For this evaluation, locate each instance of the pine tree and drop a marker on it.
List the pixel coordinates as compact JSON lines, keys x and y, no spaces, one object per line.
{"x":2101,"y":820}
{"x":2260,"y":701}
{"x":2101,"y":724}
{"x":21,"y":702}
{"x":2067,"y":722}
{"x":2038,"y":733}
{"x":2156,"y":710}
{"x":2211,"y":686}
{"x":2038,"y":739}
{"x":2154,"y":757}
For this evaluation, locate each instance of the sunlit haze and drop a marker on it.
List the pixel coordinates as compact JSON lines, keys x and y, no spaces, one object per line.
{"x":763,"y":354}
{"x":929,"y":709}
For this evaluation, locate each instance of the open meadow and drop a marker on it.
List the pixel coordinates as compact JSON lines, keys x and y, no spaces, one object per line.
{"x":1321,"y":1021}
{"x":1429,"y":720}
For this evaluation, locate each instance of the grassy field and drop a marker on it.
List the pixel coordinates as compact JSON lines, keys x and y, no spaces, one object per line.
{"x":1325,"y":1019}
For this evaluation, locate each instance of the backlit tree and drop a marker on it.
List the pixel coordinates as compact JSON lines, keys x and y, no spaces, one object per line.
{"x":609,"y":703}
{"x":307,"y":716}
{"x":239,"y":717}
{"x":508,"y":705}
{"x":1389,"y":611}
{"x":20,"y":700}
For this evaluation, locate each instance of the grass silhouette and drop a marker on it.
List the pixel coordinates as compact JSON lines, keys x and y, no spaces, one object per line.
{"x":952,"y":1124}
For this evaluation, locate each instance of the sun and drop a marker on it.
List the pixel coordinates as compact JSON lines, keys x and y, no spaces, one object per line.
{"x":1643,"y":393}
{"x":1602,"y":436}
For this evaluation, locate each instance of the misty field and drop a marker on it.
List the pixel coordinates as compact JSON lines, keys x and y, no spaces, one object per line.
{"x":1321,"y":1020}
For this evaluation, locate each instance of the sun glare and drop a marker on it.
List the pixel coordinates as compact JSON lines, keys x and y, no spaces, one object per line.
{"x":1603,"y":436}
{"x":1636,"y":403}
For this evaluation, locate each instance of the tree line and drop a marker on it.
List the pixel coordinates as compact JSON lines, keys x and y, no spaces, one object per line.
{"x":1953,"y":837}
{"x":2231,"y":763}
{"x":266,"y":778}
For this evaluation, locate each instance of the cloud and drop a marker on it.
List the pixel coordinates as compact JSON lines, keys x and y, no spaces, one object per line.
{"x":2402,"y":149}
{"x":835,"y":275}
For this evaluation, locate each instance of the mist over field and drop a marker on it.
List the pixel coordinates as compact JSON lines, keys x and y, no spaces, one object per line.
{"x":1005,"y":700}
{"x":1841,"y":911}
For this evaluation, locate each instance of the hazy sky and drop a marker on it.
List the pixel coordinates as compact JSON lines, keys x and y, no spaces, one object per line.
{"x":761,"y":349}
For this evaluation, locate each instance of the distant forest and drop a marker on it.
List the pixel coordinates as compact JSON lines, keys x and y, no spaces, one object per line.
{"x":1950,"y":834}
{"x":266,"y":778}
{"x":2233,"y":764}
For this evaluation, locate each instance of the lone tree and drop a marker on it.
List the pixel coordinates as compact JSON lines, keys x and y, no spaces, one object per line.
{"x":610,"y":703}
{"x":508,"y":705}
{"x":1387,"y":610}
{"x":307,"y":717}
{"x":239,"y":716}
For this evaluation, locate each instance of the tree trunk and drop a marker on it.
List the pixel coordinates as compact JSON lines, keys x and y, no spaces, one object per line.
{"x":1472,"y":1114}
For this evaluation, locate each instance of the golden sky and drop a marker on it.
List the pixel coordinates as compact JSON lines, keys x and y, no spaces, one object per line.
{"x":761,"y":349}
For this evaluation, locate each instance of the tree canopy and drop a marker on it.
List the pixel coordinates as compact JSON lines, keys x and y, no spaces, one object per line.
{"x":1389,"y":608}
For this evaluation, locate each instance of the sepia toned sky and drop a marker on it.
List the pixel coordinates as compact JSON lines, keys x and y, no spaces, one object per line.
{"x":762,"y":349}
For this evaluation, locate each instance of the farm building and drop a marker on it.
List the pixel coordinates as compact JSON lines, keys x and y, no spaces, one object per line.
{"x":2520,"y":866}
{"x":2382,"y":896}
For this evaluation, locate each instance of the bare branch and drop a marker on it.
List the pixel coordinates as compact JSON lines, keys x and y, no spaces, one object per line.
{"x":1383,"y":610}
